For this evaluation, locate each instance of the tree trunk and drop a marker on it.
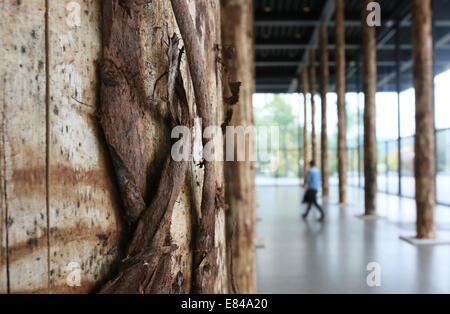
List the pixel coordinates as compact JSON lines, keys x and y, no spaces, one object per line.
{"x":424,"y":139}
{"x":305,"y":89}
{"x":89,"y":143}
{"x":324,"y":77}
{"x":147,"y":265}
{"x":157,"y":257}
{"x":369,"y":68}
{"x":237,"y":37}
{"x":312,"y":89}
{"x":340,"y":89}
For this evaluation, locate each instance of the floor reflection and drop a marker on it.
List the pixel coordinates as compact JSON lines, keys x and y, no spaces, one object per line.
{"x":310,"y":257}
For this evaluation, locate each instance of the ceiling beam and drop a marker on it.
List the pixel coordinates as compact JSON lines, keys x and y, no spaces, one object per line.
{"x":269,"y":63}
{"x":332,"y":47}
{"x":408,"y":65}
{"x":403,"y":17}
{"x":348,"y":23}
{"x":325,"y":18}
{"x":271,"y":86}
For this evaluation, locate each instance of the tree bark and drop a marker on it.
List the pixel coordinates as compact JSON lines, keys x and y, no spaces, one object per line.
{"x":147,"y":265}
{"x":305,"y":89}
{"x":205,"y":253}
{"x":425,"y":137}
{"x":369,"y":68}
{"x":237,"y":40}
{"x":324,"y":77}
{"x":312,"y":89}
{"x":340,"y":89}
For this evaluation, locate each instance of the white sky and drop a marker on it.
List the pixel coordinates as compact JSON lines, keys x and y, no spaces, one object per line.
{"x":386,"y":108}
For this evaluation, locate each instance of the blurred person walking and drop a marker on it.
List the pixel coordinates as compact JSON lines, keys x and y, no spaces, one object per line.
{"x":312,"y":185}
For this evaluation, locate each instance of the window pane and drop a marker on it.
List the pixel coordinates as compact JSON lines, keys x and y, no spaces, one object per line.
{"x":392,"y":167}
{"x":387,"y":116}
{"x":407,"y":153}
{"x":352,"y":119}
{"x":407,"y":113}
{"x":352,"y":171}
{"x":381,"y":167}
{"x":443,"y":167}
{"x":443,"y":100}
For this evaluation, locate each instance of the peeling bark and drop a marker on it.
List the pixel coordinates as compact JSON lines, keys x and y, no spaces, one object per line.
{"x":324,"y":77}
{"x":370,"y":89}
{"x":146,"y":267}
{"x":424,"y":163}
{"x":122,"y":103}
{"x":340,"y":89}
{"x":205,"y":253}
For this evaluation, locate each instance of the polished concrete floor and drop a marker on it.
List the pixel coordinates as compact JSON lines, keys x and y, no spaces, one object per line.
{"x":310,"y":257}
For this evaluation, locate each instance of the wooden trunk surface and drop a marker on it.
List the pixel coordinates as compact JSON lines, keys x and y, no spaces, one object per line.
{"x":60,"y":201}
{"x":312,"y":91}
{"x":237,"y":34}
{"x":305,"y":90}
{"x":369,"y":67}
{"x":424,"y":163}
{"x":340,"y":89}
{"x":324,"y":77}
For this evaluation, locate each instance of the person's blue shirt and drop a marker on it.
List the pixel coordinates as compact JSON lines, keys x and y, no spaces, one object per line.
{"x":313,"y":179}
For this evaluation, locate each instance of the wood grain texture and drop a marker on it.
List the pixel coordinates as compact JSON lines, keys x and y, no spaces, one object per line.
{"x":324,"y":78}
{"x":424,"y":163}
{"x":84,"y":222}
{"x":341,"y":90}
{"x":206,"y":250}
{"x":237,"y":35}
{"x":24,"y":142}
{"x":3,"y":205}
{"x":305,"y":90}
{"x":157,"y":24}
{"x":369,"y":71}
{"x":312,"y":92}
{"x":84,"y":225}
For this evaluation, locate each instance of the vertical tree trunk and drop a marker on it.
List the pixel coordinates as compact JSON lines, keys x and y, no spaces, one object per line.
{"x":324,"y":76}
{"x":340,"y":89}
{"x":205,"y":253}
{"x":305,"y":89}
{"x":161,"y":256}
{"x":136,"y":79}
{"x":312,"y":89}
{"x":369,"y":68}
{"x":237,"y":37}
{"x":424,"y":140}
{"x":147,"y":266}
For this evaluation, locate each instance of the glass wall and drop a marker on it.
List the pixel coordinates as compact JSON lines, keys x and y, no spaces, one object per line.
{"x":443,"y":166}
{"x":282,"y":158}
{"x":392,"y":168}
{"x":395,"y":153}
{"x":381,"y":167}
{"x":407,"y":166}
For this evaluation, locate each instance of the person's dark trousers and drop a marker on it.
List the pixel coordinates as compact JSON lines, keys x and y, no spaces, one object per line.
{"x":312,"y":200}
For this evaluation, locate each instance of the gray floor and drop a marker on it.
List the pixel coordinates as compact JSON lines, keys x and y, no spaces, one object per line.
{"x":309,"y":257}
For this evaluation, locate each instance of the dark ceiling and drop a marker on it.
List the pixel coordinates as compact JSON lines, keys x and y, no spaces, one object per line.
{"x":284,"y":32}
